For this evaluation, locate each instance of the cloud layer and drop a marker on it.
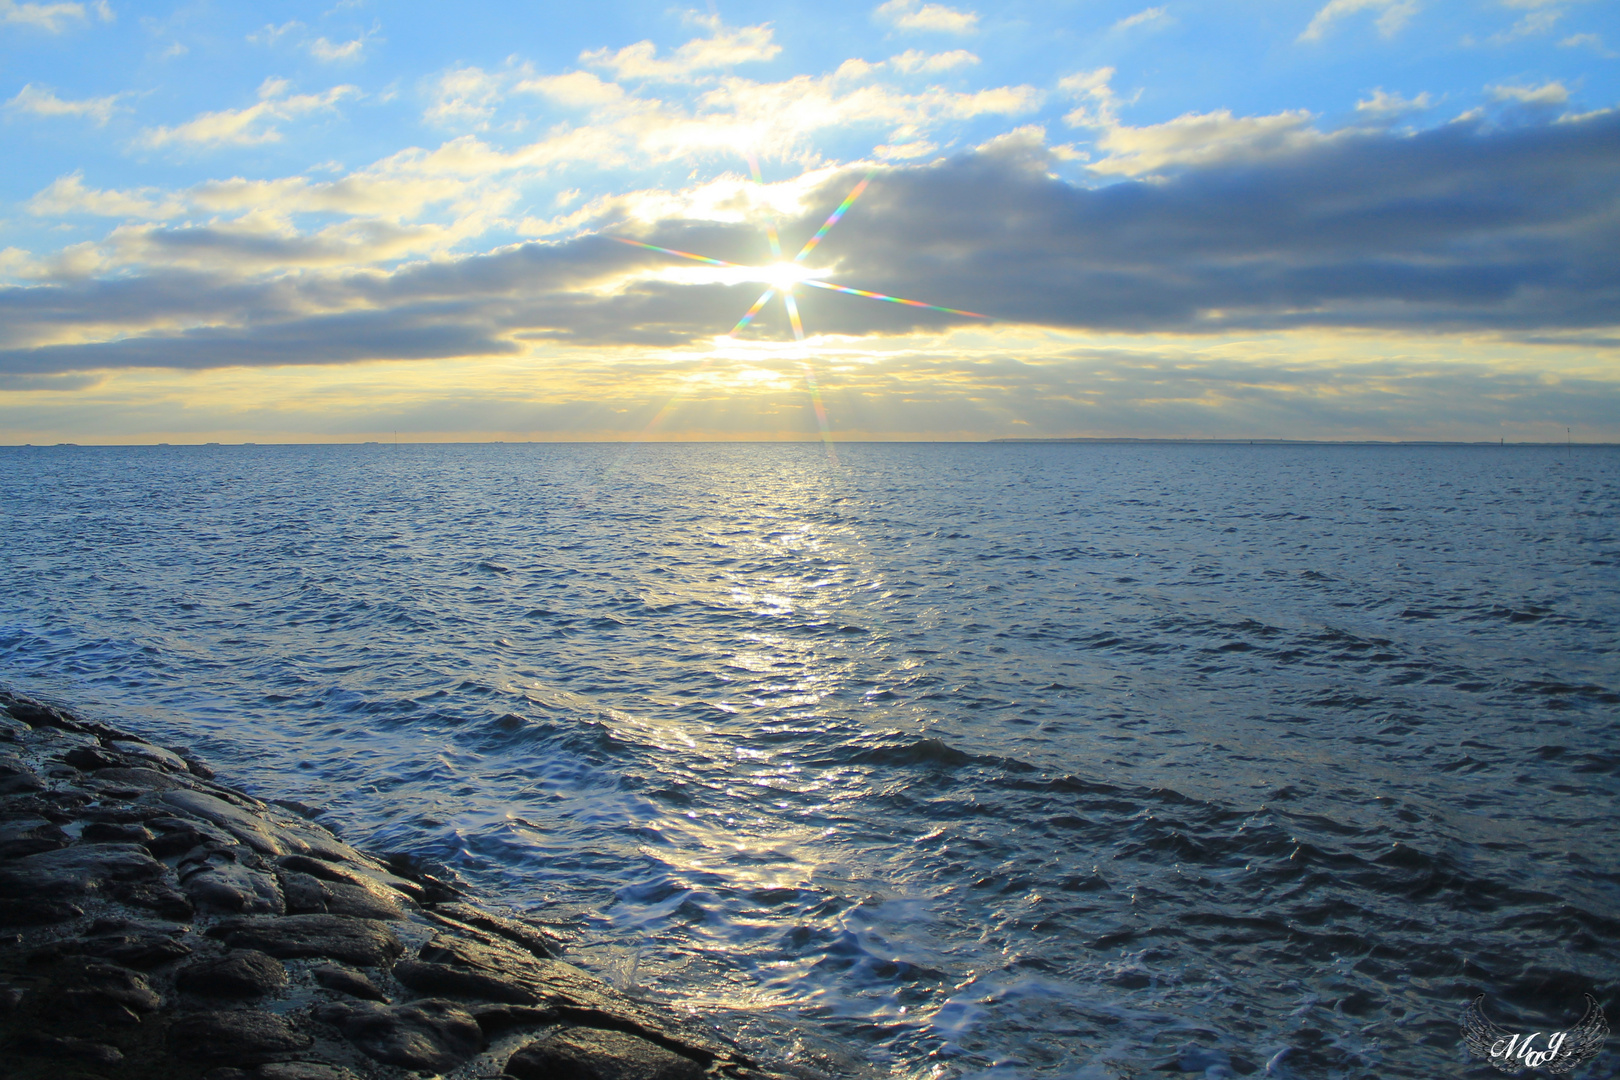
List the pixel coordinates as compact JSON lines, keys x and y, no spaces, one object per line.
{"x":1458,"y":229}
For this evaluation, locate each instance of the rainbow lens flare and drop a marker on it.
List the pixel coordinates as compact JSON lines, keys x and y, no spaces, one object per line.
{"x":783,"y":277}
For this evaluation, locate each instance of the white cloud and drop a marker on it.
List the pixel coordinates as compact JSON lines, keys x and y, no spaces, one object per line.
{"x":1098,"y":101}
{"x":1191,"y":139}
{"x":1591,"y":41}
{"x":1141,"y":18}
{"x":272,"y":35}
{"x":1552,"y":93}
{"x":1539,"y":21}
{"x":52,"y":18}
{"x":1390,"y":106}
{"x":68,"y":195}
{"x":42,"y":101}
{"x":726,"y":48}
{"x":322,"y":49}
{"x":915,"y":61}
{"x":245,"y":127}
{"x":912,"y":15}
{"x":578,"y":88}
{"x":1393,"y":14}
{"x":464,"y":97}
{"x":1203,"y":139}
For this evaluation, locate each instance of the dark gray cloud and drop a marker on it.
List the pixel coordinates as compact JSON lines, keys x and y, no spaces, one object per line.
{"x":1462,"y":228}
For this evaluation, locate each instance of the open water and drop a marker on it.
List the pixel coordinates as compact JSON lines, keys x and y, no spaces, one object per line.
{"x":1013,"y":761}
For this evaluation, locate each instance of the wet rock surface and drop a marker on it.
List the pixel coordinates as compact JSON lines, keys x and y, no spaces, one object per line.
{"x":158,"y":925}
{"x":582,"y":1053}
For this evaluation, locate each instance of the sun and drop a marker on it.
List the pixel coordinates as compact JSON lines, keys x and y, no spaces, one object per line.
{"x":783,"y":276}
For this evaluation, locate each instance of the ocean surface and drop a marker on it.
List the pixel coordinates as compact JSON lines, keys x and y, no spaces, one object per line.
{"x":923,"y":761}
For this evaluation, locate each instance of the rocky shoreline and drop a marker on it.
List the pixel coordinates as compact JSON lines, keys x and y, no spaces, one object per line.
{"x":157,"y":924}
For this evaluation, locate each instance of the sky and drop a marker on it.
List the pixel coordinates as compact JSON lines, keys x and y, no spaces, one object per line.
{"x":369,"y":220}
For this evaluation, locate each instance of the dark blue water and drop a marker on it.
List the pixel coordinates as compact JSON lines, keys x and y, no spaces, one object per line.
{"x":955,"y":760}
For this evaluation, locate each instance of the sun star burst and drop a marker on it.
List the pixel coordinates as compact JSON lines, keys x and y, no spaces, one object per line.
{"x":782,"y":277}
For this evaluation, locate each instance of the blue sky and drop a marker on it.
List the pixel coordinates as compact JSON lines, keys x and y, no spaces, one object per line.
{"x":1354,"y":219}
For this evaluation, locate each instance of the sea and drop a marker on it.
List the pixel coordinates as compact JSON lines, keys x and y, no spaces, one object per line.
{"x":910,"y":760}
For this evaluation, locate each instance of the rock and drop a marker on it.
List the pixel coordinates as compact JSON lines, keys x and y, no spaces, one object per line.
{"x":10,"y":999}
{"x":178,"y":835}
{"x":583,"y":1053}
{"x":429,"y":1034}
{"x":130,"y":948}
{"x":302,"y":1070}
{"x":443,"y":979}
{"x":495,"y":1019}
{"x":309,"y":894}
{"x":155,"y":896}
{"x":30,"y":836}
{"x":101,"y":993}
{"x":245,"y":974}
{"x":226,"y":1072}
{"x":348,"y":981}
{"x":363,"y":942}
{"x":255,"y":829}
{"x":366,"y":876}
{"x":239,"y":1034}
{"x":512,"y":930}
{"x":212,"y":877}
{"x":304,"y":893}
{"x":76,"y":870}
{"x":251,"y":829}
{"x":37,"y":715}
{"x":99,"y":832}
{"x":76,"y":1049}
{"x":37,"y":912}
{"x":90,"y":758}
{"x":155,"y":755}
{"x":140,"y":779}
{"x":17,"y":778}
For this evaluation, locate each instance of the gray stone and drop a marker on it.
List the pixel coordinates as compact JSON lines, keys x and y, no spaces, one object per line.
{"x":37,"y":912}
{"x":429,"y":1034}
{"x":583,"y":1053}
{"x":302,"y":1070}
{"x":245,"y":974}
{"x":304,"y":893}
{"x":101,"y":993}
{"x":237,"y":1034}
{"x":512,"y":930}
{"x":366,"y":875}
{"x":17,"y":778}
{"x":179,"y":835}
{"x":57,"y":1048}
{"x":156,"y":755}
{"x":30,"y":836}
{"x":156,"y":896}
{"x":110,"y":832}
{"x":213,"y":878}
{"x":252,"y":829}
{"x":363,"y":942}
{"x":131,"y":948}
{"x":255,"y":828}
{"x":348,"y":981}
{"x":137,"y":778}
{"x":442,"y":979}
{"x":74,"y":871}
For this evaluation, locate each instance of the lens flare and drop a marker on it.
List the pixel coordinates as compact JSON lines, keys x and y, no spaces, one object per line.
{"x":781,"y":278}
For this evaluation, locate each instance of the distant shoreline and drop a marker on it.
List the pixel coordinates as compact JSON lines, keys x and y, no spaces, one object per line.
{"x":1298,"y":442}
{"x":1077,"y":439}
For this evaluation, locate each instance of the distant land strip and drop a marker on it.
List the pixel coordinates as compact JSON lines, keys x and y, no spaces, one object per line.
{"x":1297,"y":442}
